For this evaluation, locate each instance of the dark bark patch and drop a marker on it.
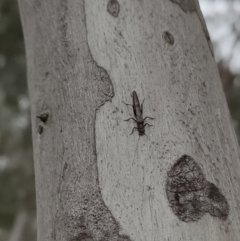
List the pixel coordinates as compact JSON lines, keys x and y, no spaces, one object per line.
{"x":189,"y":193}
{"x":43,"y":117}
{"x":168,"y":37}
{"x":193,"y":6}
{"x":113,"y":7}
{"x":40,"y":129}
{"x":96,"y":221}
{"x":104,"y":84}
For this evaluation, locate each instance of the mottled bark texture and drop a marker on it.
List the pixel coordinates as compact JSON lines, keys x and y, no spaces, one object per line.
{"x":94,"y":181}
{"x":191,"y":195}
{"x":66,"y":87}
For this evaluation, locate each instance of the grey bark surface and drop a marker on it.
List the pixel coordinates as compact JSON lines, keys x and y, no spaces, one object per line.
{"x":94,"y":181}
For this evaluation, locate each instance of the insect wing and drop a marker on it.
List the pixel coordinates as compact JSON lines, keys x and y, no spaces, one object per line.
{"x":136,"y":105}
{"x":141,"y":109}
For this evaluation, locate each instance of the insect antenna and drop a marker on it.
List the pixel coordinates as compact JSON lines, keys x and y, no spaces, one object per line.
{"x":151,"y":142}
{"x":136,"y":149}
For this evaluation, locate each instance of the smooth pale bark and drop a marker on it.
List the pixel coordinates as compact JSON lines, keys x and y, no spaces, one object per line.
{"x":93,"y":180}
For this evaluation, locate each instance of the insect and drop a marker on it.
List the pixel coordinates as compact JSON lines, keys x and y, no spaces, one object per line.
{"x":138,"y":113}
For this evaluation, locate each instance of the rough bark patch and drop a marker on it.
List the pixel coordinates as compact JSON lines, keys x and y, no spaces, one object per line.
{"x":190,"y":195}
{"x":193,"y":6}
{"x":97,"y":222}
{"x":90,"y":219}
{"x":43,"y":117}
{"x":113,"y":8}
{"x":168,"y":37}
{"x":40,"y":129}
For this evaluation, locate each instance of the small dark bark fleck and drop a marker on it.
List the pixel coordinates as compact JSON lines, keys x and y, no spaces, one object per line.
{"x":40,"y":129}
{"x":43,"y":117}
{"x":190,"y":195}
{"x":168,"y":37}
{"x":113,"y":8}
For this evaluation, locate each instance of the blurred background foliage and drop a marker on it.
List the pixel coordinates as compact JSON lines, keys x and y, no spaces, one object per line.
{"x":17,"y":187}
{"x":17,"y":192}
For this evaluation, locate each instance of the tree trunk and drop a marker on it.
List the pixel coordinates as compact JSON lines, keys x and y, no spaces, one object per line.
{"x":94,"y":181}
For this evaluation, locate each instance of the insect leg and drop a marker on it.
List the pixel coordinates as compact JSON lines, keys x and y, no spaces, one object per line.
{"x":148,"y":118}
{"x":131,"y":119}
{"x":146,"y":124}
{"x":134,"y":128}
{"x":136,"y":149}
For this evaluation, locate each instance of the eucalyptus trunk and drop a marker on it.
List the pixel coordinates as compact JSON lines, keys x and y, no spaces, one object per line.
{"x":175,"y":180}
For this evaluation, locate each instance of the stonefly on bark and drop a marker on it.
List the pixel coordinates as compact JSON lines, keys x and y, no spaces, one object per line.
{"x":138,"y":113}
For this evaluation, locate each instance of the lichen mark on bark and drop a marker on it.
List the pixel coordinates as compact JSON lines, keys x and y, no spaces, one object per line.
{"x":193,"y":6}
{"x":190,"y":195}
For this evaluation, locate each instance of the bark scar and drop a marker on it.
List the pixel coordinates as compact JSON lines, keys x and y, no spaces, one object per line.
{"x":190,"y":195}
